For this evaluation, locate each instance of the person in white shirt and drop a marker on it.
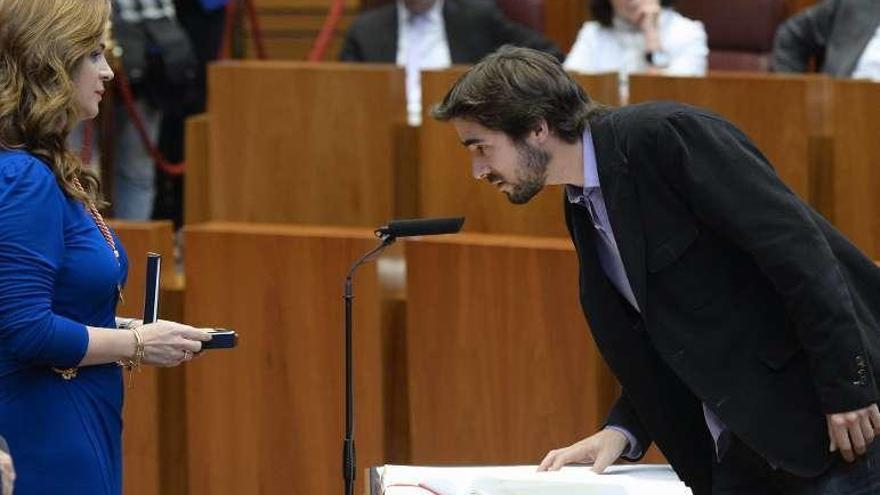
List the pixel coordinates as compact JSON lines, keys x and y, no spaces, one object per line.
{"x":628,"y":36}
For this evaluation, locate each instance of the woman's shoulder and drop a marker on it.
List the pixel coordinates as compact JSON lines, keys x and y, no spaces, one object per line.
{"x":23,"y":167}
{"x":591,"y":28}
{"x":24,"y":177}
{"x":672,"y":19}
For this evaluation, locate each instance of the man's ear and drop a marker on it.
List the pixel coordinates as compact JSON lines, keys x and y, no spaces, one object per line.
{"x":540,"y":133}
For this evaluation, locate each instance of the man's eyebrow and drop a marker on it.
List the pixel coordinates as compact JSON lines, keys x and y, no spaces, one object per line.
{"x":468,"y":142}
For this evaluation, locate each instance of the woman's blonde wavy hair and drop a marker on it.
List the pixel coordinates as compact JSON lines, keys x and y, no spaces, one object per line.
{"x":42,"y":43}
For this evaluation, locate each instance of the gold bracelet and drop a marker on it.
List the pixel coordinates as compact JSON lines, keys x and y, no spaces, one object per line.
{"x":135,"y":361}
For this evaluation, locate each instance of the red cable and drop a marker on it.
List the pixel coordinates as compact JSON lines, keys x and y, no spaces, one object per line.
{"x":128,"y":100}
{"x":327,"y":30}
{"x":256,"y":30}
{"x":226,"y":45}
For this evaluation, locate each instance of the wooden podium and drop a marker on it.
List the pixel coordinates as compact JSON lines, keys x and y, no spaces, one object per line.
{"x":294,"y":142}
{"x":501,"y":364}
{"x":268,"y":416}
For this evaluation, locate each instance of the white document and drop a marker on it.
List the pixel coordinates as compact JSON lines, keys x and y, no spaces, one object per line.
{"x":632,"y":479}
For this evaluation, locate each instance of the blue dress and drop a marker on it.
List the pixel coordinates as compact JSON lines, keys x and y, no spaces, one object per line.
{"x":57,"y":275}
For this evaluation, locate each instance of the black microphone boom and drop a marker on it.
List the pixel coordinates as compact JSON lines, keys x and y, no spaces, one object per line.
{"x":421,"y":226}
{"x":387,"y":234}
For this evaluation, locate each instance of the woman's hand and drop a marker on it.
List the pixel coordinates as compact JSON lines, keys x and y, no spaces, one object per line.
{"x":647,"y":15}
{"x":7,"y":473}
{"x":169,"y":344}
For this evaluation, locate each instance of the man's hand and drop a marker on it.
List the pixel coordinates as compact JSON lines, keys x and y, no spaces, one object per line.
{"x":602,"y":449}
{"x":852,"y":432}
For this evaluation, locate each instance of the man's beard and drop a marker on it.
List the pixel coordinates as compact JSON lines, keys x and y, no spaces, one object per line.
{"x":531,"y":173}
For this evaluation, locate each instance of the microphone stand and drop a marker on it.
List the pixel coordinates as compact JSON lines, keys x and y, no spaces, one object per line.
{"x":349,"y":464}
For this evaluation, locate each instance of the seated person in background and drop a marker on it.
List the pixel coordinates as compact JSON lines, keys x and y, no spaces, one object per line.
{"x":842,"y":35}
{"x":434,"y":34}
{"x":638,"y":35}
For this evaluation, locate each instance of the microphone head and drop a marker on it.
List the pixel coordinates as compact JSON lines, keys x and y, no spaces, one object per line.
{"x":421,"y":226}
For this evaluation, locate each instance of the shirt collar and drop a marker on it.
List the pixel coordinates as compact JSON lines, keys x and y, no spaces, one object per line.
{"x":434,"y":14}
{"x":591,"y":173}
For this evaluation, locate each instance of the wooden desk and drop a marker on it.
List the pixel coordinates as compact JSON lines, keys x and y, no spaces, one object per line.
{"x":502,"y":367}
{"x":856,"y":177}
{"x":785,"y":116}
{"x":268,"y":416}
{"x":294,"y":142}
{"x":446,"y":187}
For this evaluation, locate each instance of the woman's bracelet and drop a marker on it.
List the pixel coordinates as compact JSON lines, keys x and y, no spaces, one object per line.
{"x":127,"y":323}
{"x":135,"y":361}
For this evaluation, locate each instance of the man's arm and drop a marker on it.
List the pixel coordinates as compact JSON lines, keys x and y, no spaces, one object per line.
{"x":622,"y":436}
{"x":732,"y":189}
{"x":803,"y":37}
{"x":623,"y":417}
{"x":351,"y":49}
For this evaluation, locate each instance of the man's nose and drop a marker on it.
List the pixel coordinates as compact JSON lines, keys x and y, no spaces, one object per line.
{"x":480,"y":170}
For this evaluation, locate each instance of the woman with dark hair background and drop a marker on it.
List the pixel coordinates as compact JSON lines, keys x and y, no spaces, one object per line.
{"x":628,"y":36}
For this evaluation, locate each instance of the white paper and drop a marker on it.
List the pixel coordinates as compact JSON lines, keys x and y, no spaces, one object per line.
{"x":633,"y":479}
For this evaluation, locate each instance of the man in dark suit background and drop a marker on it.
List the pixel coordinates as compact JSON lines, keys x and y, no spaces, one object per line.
{"x":843,"y":36}
{"x":742,"y":327}
{"x":473,"y":28}
{"x":434,"y":34}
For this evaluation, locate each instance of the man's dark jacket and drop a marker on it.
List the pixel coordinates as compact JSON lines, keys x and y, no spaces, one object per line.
{"x":474,"y":29}
{"x":750,"y":301}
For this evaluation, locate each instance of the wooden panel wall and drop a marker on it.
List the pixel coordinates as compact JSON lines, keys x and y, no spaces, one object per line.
{"x":446,"y":187}
{"x":290,"y":27}
{"x":563,"y":19}
{"x":267,"y":417}
{"x":196,"y":181}
{"x":779,"y":113}
{"x":795,"y":6}
{"x":856,"y":178}
{"x":502,"y":367}
{"x":304,"y":143}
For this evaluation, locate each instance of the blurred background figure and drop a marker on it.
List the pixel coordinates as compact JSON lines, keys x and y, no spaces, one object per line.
{"x":160,"y":67}
{"x":203,"y":23}
{"x":842,"y":38}
{"x":434,"y":34}
{"x":628,"y":36}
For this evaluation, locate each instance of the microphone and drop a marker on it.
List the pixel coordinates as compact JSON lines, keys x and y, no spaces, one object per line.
{"x":420,"y":226}
{"x":387,"y":234}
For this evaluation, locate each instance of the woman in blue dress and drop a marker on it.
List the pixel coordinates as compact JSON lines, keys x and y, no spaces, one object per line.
{"x":61,"y":268}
